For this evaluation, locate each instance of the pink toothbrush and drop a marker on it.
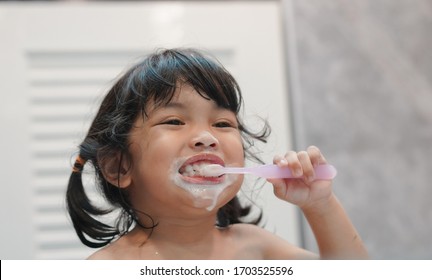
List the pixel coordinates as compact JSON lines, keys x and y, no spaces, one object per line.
{"x":322,"y":172}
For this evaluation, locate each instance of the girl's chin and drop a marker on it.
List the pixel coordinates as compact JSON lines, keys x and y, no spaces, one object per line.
{"x":203,"y":203}
{"x":207,"y":192}
{"x":210,"y":204}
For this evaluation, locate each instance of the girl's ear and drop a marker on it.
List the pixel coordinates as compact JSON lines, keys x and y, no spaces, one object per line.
{"x":116,"y":170}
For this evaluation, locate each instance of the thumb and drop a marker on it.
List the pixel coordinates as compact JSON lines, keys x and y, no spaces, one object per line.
{"x":279,"y":187}
{"x":277,"y":183}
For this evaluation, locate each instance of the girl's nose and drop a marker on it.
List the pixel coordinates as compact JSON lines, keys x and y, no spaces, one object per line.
{"x":204,"y":140}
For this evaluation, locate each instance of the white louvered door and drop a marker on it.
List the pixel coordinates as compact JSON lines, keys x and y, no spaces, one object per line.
{"x":64,"y":89}
{"x":56,"y":61}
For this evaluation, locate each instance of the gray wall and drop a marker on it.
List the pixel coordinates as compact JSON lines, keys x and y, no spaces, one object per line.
{"x":365,"y":98}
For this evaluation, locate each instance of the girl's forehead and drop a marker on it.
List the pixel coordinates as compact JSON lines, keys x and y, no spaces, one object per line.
{"x":185,"y":99}
{"x":190,"y":94}
{"x":183,"y":94}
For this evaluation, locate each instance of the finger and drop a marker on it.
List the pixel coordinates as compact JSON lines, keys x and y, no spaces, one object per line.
{"x":315,"y":156}
{"x":294,"y":164}
{"x":280,"y":161}
{"x":308,"y":169}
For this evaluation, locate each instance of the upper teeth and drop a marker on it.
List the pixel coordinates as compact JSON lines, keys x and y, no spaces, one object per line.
{"x":193,"y":169}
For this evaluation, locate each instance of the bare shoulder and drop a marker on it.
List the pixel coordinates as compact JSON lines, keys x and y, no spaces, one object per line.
{"x":102,"y":254}
{"x":117,"y":250}
{"x":271,"y":245}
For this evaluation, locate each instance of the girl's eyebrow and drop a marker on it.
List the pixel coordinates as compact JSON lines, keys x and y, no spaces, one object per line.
{"x":169,"y":105}
{"x":182,"y":105}
{"x":174,"y":105}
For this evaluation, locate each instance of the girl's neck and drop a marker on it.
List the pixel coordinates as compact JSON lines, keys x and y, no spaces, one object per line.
{"x":176,"y":239}
{"x":182,"y":231}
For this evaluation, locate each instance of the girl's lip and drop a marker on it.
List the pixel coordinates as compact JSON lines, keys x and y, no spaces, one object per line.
{"x":208,"y":158}
{"x":203,"y":180}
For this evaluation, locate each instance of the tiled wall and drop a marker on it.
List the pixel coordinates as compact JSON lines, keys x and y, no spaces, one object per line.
{"x":365,"y":95}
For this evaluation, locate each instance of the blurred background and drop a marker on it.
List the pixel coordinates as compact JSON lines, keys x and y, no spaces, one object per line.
{"x":365,"y":78}
{"x":351,"y":77}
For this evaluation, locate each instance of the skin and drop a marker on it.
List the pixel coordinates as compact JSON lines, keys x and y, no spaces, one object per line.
{"x":192,"y":125}
{"x":335,"y":234}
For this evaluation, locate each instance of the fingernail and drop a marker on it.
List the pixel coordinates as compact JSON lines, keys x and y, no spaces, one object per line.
{"x":283,"y":162}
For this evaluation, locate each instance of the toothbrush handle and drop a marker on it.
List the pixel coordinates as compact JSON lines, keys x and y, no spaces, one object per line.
{"x":322,"y":172}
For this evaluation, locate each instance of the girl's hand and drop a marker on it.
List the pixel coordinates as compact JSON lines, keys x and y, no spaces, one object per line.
{"x":305,"y":192}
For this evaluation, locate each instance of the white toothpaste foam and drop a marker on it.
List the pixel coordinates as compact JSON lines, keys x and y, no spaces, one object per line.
{"x":205,"y":195}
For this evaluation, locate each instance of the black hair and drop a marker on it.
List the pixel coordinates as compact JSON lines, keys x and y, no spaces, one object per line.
{"x":153,"y":79}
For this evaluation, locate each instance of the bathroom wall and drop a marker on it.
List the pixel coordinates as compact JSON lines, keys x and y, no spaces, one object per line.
{"x":364,"y":96}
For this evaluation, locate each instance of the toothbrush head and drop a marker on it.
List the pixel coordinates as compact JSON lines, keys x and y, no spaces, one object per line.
{"x":212,"y":170}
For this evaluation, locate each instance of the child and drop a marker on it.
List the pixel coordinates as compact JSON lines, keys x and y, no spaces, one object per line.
{"x":163,"y":120}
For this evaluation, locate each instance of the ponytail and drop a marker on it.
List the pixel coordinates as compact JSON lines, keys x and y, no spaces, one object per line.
{"x":83,"y":213}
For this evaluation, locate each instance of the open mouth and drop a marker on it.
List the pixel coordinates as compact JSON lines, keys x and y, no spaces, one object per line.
{"x":194,"y":170}
{"x":190,"y":171}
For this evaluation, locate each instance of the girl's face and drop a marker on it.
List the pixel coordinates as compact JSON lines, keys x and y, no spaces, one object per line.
{"x":174,"y":141}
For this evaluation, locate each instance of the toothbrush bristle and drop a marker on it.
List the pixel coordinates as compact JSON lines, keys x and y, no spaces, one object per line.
{"x":212,"y":170}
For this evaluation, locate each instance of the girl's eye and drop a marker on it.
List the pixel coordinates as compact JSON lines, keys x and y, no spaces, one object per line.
{"x":223,"y":124}
{"x":173,"y":122}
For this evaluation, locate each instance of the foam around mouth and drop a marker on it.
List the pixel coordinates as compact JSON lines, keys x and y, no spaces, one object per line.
{"x":204,"y":190}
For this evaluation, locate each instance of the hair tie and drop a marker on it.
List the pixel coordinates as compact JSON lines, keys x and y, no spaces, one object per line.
{"x":79,"y":164}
